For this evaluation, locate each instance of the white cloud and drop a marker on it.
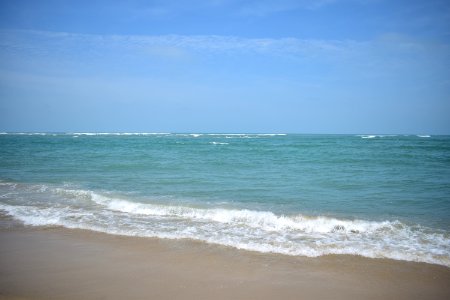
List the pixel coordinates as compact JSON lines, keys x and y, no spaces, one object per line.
{"x":170,"y":45}
{"x":380,"y":57}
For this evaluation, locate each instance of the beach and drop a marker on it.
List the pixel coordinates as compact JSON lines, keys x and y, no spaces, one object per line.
{"x":59,"y":263}
{"x":225,"y":150}
{"x":224,"y":216}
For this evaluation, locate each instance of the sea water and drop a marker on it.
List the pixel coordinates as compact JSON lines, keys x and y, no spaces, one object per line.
{"x":379,"y":196}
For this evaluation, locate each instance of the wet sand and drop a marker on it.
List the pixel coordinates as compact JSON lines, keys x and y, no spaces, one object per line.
{"x":60,"y":263}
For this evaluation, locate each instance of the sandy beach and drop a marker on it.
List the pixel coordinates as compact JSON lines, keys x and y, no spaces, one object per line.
{"x":57,"y":263}
{"x":226,"y":149}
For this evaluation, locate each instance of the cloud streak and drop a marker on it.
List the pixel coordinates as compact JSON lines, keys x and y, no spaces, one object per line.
{"x":390,"y":57}
{"x":185,"y":73}
{"x":35,"y":41}
{"x":61,"y":45}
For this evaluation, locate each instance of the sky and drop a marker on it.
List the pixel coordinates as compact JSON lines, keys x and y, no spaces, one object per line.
{"x":285,"y":66}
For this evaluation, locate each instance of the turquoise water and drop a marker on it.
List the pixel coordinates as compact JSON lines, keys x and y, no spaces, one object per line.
{"x":372,"y":195}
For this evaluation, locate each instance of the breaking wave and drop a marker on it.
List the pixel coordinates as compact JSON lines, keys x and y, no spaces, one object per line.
{"x":262,"y":231}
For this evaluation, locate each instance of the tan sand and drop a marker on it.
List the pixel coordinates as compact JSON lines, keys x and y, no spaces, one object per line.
{"x":74,"y":264}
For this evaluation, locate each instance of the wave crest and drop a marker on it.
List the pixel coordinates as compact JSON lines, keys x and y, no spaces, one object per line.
{"x":261,"y":231}
{"x":256,"y":219}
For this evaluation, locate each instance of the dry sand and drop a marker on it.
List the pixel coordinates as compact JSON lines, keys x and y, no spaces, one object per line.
{"x":59,"y":263}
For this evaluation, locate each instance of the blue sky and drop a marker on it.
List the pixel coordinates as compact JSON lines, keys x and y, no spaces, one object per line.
{"x":322,"y":66}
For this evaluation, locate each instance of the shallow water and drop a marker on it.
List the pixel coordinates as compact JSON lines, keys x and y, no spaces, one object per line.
{"x":372,"y":195}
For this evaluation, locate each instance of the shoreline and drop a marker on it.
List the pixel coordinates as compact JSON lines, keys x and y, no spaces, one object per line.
{"x":60,"y":263}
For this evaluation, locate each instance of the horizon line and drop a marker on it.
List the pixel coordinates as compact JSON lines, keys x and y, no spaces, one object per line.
{"x":206,"y":133}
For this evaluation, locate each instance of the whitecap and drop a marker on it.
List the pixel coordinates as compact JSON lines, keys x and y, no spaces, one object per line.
{"x":218,"y":143}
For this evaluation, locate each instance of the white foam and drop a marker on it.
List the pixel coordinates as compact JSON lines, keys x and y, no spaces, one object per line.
{"x":257,"y":219}
{"x":229,"y":135}
{"x":27,"y":133}
{"x":156,"y":133}
{"x":30,"y":217}
{"x":424,"y":136}
{"x":368,"y":136}
{"x":117,"y":133}
{"x":242,"y":134}
{"x":218,"y":143}
{"x":261,"y":231}
{"x":75,"y":193}
{"x":372,"y":136}
{"x":83,"y":133}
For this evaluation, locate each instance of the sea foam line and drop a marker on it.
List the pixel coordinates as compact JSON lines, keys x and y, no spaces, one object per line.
{"x":258,"y":219}
{"x":261,"y":231}
{"x":237,"y":237}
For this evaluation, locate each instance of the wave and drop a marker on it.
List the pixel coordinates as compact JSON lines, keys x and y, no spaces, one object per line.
{"x":195,"y":135}
{"x":231,"y":135}
{"x":248,"y":134}
{"x":256,"y":219}
{"x":218,"y":143}
{"x":163,"y":133}
{"x":372,"y":136}
{"x":117,"y":133}
{"x":366,"y":136}
{"x":84,"y":133}
{"x":262,"y":231}
{"x":27,"y":133}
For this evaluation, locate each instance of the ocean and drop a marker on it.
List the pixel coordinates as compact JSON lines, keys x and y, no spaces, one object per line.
{"x":378,"y":196}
